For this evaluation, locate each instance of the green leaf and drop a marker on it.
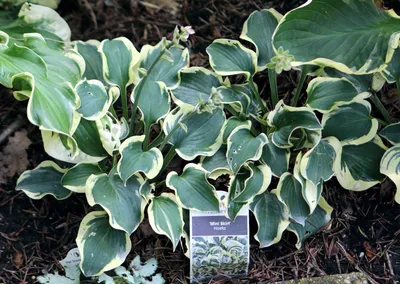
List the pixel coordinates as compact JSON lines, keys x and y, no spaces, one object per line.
{"x":44,"y":180}
{"x":352,"y":36}
{"x":325,"y":94}
{"x":193,"y":191}
{"x":255,"y":184}
{"x":217,"y":164}
{"x":203,"y":135}
{"x":134,"y":159}
{"x":163,"y":70}
{"x":391,"y":133}
{"x":119,"y":57}
{"x":319,"y":218}
{"x":76,"y":177}
{"x":351,"y":124}
{"x":52,"y":100}
{"x":93,"y":61}
{"x":319,"y":162}
{"x":285,"y":120}
{"x":101,"y":247}
{"x":272,"y":218}
{"x":276,"y":158}
{"x":230,"y":57}
{"x":358,"y":167}
{"x":289,"y":192}
{"x":165,"y":217}
{"x":154,"y":104}
{"x":258,"y":29}
{"x":195,"y":85}
{"x":243,"y":147}
{"x":390,"y":165}
{"x":95,"y":101}
{"x":392,"y":70}
{"x":122,"y":201}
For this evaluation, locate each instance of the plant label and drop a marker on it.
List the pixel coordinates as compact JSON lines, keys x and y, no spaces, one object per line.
{"x":218,"y":245}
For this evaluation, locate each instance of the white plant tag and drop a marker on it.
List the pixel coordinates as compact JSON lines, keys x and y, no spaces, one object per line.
{"x":218,"y":246}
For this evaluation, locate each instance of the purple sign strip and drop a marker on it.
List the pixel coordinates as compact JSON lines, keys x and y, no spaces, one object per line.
{"x":218,"y":226}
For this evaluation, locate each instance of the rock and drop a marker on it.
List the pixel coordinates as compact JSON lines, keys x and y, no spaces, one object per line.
{"x":352,"y":278}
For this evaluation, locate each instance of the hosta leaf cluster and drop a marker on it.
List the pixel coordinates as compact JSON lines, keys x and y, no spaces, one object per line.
{"x":120,"y":115}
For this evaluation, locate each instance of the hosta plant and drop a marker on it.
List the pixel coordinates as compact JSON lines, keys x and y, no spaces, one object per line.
{"x":118,"y":116}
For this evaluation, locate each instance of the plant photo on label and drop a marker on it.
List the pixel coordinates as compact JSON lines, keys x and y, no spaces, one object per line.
{"x":143,"y":135}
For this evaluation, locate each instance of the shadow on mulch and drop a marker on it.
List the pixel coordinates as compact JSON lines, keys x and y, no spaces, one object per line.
{"x":34,"y":235}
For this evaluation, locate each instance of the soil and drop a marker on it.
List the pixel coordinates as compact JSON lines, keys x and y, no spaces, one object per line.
{"x":35,"y":234}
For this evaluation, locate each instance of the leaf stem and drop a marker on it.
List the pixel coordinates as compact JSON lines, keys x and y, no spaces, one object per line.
{"x":147,"y":130}
{"x":140,"y":87}
{"x":273,"y":86}
{"x":158,"y":140}
{"x":398,"y":86}
{"x":256,"y":94}
{"x":124,"y":101}
{"x":168,"y":158}
{"x":303,"y":76}
{"x":377,"y":102}
{"x":112,"y":110}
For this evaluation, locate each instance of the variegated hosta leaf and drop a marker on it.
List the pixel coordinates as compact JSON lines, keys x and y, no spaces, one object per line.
{"x":311,"y":192}
{"x":235,"y":97}
{"x":122,"y":201}
{"x":76,"y":177}
{"x":217,"y":164}
{"x":195,"y":85}
{"x":84,"y":146}
{"x":200,"y":136}
{"x":392,"y":70}
{"x":193,"y":191}
{"x":230,"y":57}
{"x":134,"y":159}
{"x":363,"y":83}
{"x":154,"y":104}
{"x":93,"y":61}
{"x":390,"y":166}
{"x":319,"y":218}
{"x":359,"y":44}
{"x":111,"y":131}
{"x":319,"y":162}
{"x":37,"y":19}
{"x":146,"y":190}
{"x":52,"y":100}
{"x":258,"y":29}
{"x":243,"y":147}
{"x":358,"y":167}
{"x":324,"y":94}
{"x":119,"y":57}
{"x":44,"y":180}
{"x":256,"y":183}
{"x":95,"y":101}
{"x":285,"y":120}
{"x":391,"y":133}
{"x":165,"y":217}
{"x":101,"y":247}
{"x":289,"y":192}
{"x":231,"y":124}
{"x":167,"y":68}
{"x":276,"y":158}
{"x":271,"y":216}
{"x":351,"y":124}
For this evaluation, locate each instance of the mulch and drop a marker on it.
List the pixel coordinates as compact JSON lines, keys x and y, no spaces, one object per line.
{"x":364,"y":234}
